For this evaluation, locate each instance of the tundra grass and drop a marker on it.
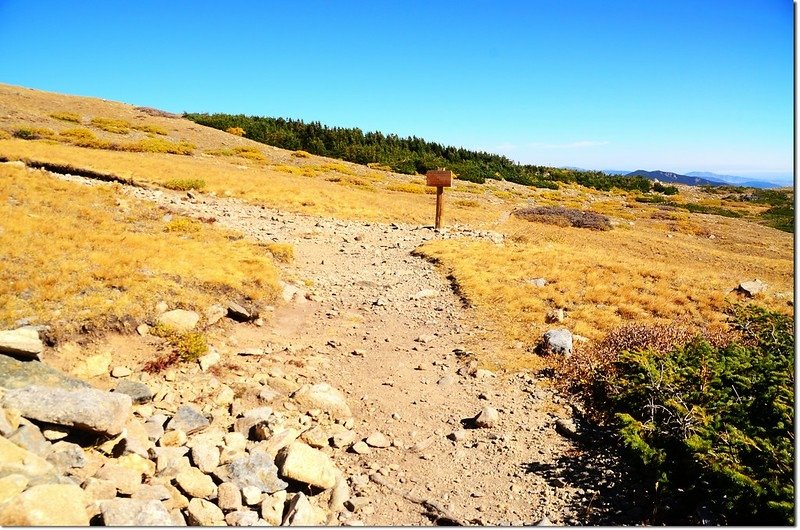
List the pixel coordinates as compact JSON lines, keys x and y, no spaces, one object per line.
{"x":73,"y":254}
{"x":607,"y":279}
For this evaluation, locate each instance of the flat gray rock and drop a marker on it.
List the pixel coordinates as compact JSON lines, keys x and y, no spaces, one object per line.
{"x":139,"y":392}
{"x":18,"y":374}
{"x":86,"y":409}
{"x":134,"y":512}
{"x":558,"y":341}
{"x":188,"y":419}
{"x":257,"y":469}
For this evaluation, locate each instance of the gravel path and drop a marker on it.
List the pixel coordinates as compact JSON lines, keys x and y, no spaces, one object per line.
{"x":386,"y":328}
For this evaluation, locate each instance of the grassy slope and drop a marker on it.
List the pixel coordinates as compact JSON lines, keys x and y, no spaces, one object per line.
{"x":654,"y":265}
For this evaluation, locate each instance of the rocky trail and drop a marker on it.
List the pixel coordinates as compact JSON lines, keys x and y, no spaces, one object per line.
{"x":416,"y":434}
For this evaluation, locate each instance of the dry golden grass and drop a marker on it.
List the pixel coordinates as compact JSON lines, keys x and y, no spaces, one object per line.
{"x":606,"y":279}
{"x":72,"y":255}
{"x":653,"y":266}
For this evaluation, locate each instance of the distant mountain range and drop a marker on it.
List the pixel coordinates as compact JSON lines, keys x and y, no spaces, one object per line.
{"x":693,"y":178}
{"x":672,"y":178}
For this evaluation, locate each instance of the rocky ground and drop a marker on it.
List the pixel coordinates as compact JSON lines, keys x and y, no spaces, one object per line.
{"x":355,"y":401}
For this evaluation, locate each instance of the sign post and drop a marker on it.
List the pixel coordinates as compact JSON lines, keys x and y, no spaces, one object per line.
{"x":441,"y":179}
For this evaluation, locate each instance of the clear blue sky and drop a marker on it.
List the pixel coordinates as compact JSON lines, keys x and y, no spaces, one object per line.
{"x":678,"y":85}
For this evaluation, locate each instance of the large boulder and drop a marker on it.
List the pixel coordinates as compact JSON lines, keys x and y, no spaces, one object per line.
{"x":179,"y":319}
{"x":19,"y":374}
{"x":86,"y":409}
{"x":23,"y":343}
{"x":305,"y":464}
{"x":557,"y":341}
{"x":752,"y":288}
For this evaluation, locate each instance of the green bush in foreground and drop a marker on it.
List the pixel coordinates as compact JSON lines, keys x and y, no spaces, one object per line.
{"x":714,"y":427}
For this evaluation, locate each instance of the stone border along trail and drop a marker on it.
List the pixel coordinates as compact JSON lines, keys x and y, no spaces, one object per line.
{"x":385,"y":328}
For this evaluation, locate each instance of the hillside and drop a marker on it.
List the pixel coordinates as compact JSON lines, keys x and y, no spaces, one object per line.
{"x":672,"y":178}
{"x":307,"y":274}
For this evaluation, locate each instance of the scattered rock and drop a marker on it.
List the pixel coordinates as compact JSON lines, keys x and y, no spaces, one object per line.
{"x":556,"y":315}
{"x":300,"y":512}
{"x":426,"y":293}
{"x":378,"y":439}
{"x":557,"y":341}
{"x":252,"y":495}
{"x":229,"y":496}
{"x":188,"y":419}
{"x":316,"y":437}
{"x":121,"y":371}
{"x":15,"y":459}
{"x":31,"y":438}
{"x":458,"y":435}
{"x":361,"y":448}
{"x":93,"y":366}
{"x":205,"y":456}
{"x":323,"y":396}
{"x":195,"y":483}
{"x":487,"y":418}
{"x":88,"y":409}
{"x":66,"y":455}
{"x":139,"y":392}
{"x":143,"y":329}
{"x":214,"y":313}
{"x":242,"y":518}
{"x":272,"y":508}
{"x":134,"y":512}
{"x":538,"y":282}
{"x":425,"y":339}
{"x":46,"y":505}
{"x":208,"y":360}
{"x":19,"y":374}
{"x":179,"y":319}
{"x":305,"y":464}
{"x":204,"y":513}
{"x":257,"y":469}
{"x":124,"y":479}
{"x":238,"y":313}
{"x":567,"y":428}
{"x":22,"y":342}
{"x":752,"y":288}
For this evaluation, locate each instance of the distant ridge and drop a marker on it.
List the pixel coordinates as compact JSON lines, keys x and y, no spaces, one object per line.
{"x":733,"y":180}
{"x":673,"y":178}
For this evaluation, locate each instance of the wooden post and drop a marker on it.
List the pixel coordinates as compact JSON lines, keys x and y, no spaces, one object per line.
{"x":439,"y":205}
{"x":441,"y":179}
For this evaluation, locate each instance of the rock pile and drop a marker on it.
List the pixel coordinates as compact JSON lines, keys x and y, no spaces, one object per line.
{"x":75,"y":455}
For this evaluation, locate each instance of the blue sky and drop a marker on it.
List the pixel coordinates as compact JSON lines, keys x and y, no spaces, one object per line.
{"x":679,"y":85}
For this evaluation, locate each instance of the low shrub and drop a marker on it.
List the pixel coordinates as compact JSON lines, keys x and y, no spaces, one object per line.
{"x":187,"y":346}
{"x":160,"y":145}
{"x":709,"y":418}
{"x":561,"y":216}
{"x":407,"y":188}
{"x":182,"y":224}
{"x":236,"y":131}
{"x":150,"y":129}
{"x":84,"y":138}
{"x":4,"y":135}
{"x":112,"y":125}
{"x":282,"y":252}
{"x":32,"y":133}
{"x":301,"y":154}
{"x":66,"y":116}
{"x":185,"y":184}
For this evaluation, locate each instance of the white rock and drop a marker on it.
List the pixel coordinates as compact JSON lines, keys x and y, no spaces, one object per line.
{"x":305,"y":464}
{"x":179,"y":319}
{"x":23,"y":342}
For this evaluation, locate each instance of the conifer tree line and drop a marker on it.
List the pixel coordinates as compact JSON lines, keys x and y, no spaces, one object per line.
{"x":407,"y":155}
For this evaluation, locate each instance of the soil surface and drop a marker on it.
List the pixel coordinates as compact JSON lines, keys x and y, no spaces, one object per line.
{"x":385,"y":327}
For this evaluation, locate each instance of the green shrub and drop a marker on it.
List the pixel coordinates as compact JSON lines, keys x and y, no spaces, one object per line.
{"x":666,"y":190}
{"x":714,"y":426}
{"x":186,"y":345}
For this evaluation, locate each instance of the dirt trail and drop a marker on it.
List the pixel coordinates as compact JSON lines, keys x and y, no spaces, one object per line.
{"x":385,"y":327}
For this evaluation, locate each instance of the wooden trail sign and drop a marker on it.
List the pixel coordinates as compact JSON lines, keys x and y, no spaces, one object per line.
{"x":441,"y":179}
